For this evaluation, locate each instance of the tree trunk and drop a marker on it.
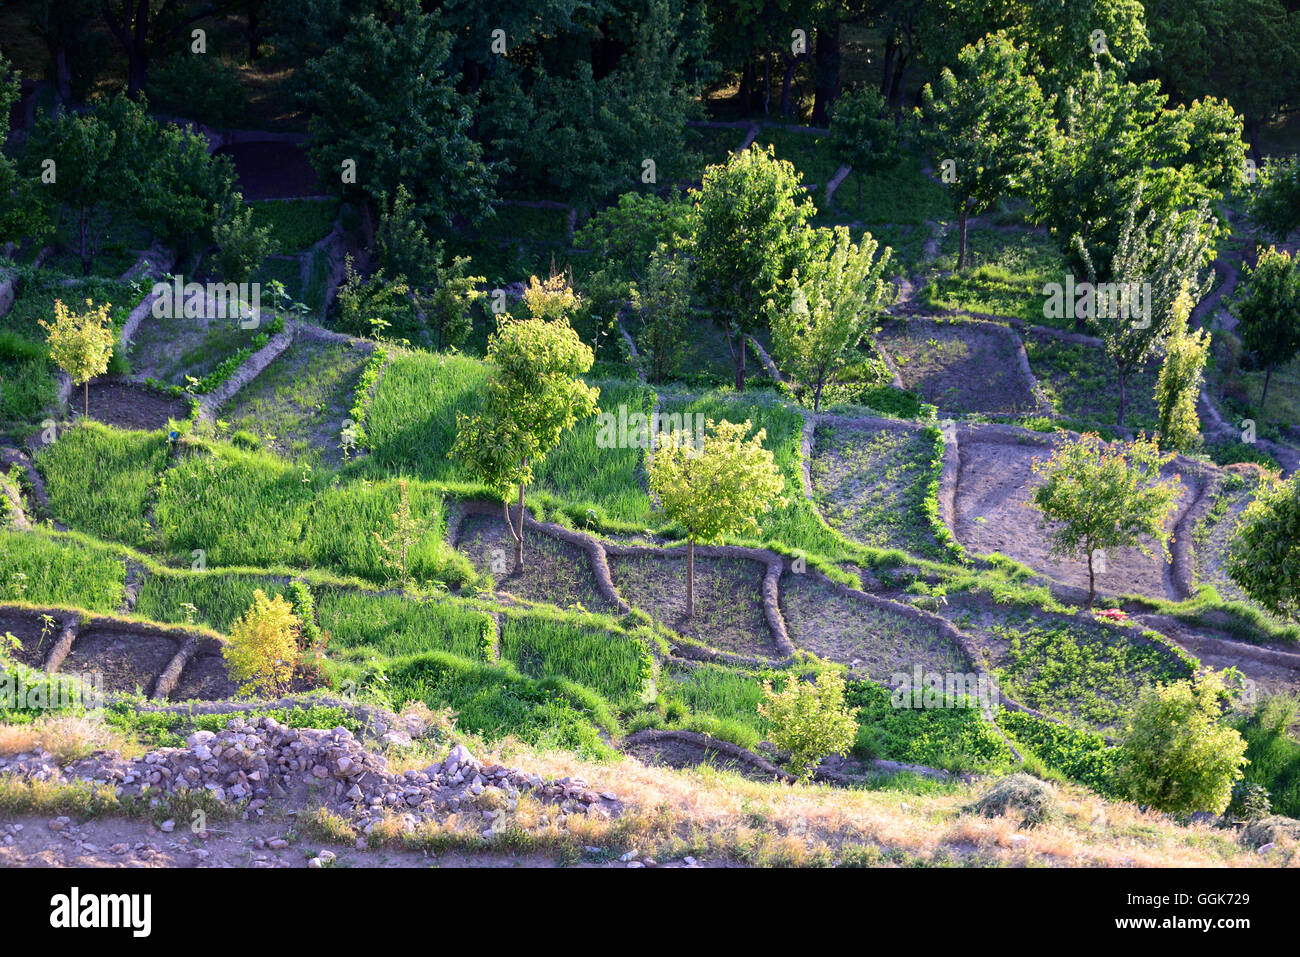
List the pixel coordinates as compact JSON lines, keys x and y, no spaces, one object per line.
{"x":1091,"y":579}
{"x":961,"y":244}
{"x":887,"y":67}
{"x":787,"y":82}
{"x":767,"y":83}
{"x":1263,"y":399}
{"x":690,"y":577}
{"x":85,"y":395}
{"x":1123,"y":398}
{"x":62,"y":76}
{"x":1253,"y":130}
{"x":740,"y":363}
{"x":83,"y":235}
{"x":826,"y":72}
{"x":817,"y":395}
{"x":254,"y":33}
{"x":519,"y":535}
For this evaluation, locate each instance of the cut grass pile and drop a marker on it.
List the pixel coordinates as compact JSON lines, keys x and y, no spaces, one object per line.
{"x":872,"y":486}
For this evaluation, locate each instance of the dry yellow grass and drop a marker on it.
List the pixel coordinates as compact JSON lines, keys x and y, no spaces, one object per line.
{"x":67,"y":738}
{"x":708,"y":812}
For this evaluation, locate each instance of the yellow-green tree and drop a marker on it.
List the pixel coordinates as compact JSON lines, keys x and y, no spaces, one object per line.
{"x":1178,"y":754}
{"x":532,"y":400}
{"x":1099,"y":497}
{"x":262,"y":652}
{"x":1179,"y":384}
{"x":81,"y":344}
{"x":714,"y":484}
{"x":809,"y":720}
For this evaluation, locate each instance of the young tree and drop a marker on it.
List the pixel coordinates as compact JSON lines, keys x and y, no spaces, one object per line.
{"x":1264,"y":557}
{"x":448,"y":301}
{"x":24,"y":214}
{"x":713,"y":485}
{"x":81,"y":344}
{"x":809,"y":720}
{"x":863,"y":134}
{"x":1267,"y":305}
{"x":1096,"y":496}
{"x":1179,"y":384}
{"x":661,"y":301}
{"x":532,"y":400}
{"x":833,"y":303}
{"x":747,"y":220}
{"x":403,"y":535}
{"x":241,"y":245}
{"x":1178,"y":755}
{"x":988,"y":118}
{"x":263,"y":648}
{"x":1154,"y":263}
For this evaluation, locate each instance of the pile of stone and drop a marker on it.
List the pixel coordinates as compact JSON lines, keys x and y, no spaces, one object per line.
{"x":254,"y":762}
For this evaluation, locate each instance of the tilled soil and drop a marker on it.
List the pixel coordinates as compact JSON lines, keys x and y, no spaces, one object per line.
{"x":128,"y":406}
{"x":996,"y":483}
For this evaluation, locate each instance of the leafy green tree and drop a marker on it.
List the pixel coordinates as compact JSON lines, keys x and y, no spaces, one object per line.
{"x":988,"y":119}
{"x":81,"y":343}
{"x":1179,"y":384}
{"x":810,"y":720}
{"x":242,"y":246}
{"x":1098,"y":497}
{"x":1062,"y":37}
{"x":758,"y":197}
{"x":376,"y":306}
{"x":863,"y":135}
{"x":402,"y":240}
{"x":1154,"y":263}
{"x":1178,"y":755}
{"x":833,"y":304}
{"x":1267,"y":306}
{"x":1114,"y":140}
{"x":1275,"y":205}
{"x":384,"y":108}
{"x":141,"y":27}
{"x":1264,"y":557}
{"x":714,"y":484}
{"x":534,"y":397}
{"x":661,"y":302}
{"x":581,"y":123}
{"x":76,"y":55}
{"x":24,"y":213}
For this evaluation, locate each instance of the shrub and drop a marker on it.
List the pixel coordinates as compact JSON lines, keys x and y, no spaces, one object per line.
{"x":201,"y":87}
{"x":1033,"y":800}
{"x":1178,"y":755}
{"x":263,"y":647}
{"x":809,"y":720}
{"x":241,"y":245}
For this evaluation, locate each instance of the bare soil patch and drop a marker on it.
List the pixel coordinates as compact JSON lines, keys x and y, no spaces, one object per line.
{"x":728,"y":599}
{"x":553,"y":572}
{"x":959,"y":366}
{"x":129,"y":660}
{"x":204,"y":678}
{"x":675,"y":753}
{"x":129,"y":406}
{"x":870,"y":640}
{"x":996,"y":482}
{"x":870,"y":485}
{"x":298,"y":404}
{"x":35,"y":635}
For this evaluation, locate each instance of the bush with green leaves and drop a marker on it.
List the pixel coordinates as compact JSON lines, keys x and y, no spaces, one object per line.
{"x":1264,"y":554}
{"x":1178,"y":755}
{"x":809,"y":720}
{"x":242,"y":246}
{"x":199,"y":87}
